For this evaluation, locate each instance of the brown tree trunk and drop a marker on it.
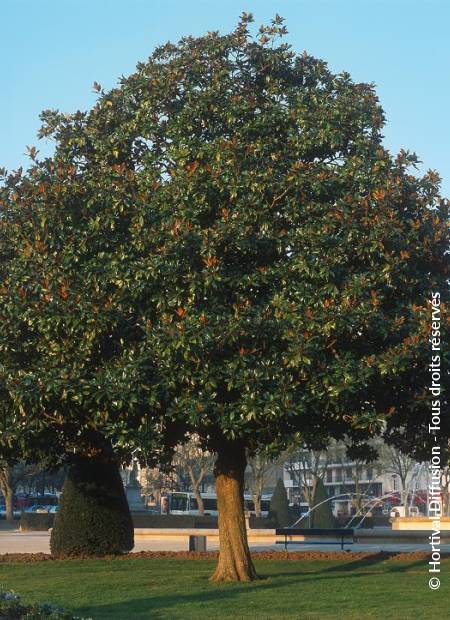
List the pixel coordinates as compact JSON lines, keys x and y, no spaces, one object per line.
{"x":199,"y":498}
{"x":9,"y":505}
{"x":259,"y":484}
{"x":235,"y":562}
{"x":404,"y":498}
{"x":157,"y":494}
{"x":8,"y":491}
{"x":357,"y":500}
{"x":257,"y":502}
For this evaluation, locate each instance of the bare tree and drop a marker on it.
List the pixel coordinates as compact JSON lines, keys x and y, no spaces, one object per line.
{"x":396,"y":462}
{"x":306,"y":467}
{"x":11,"y":476}
{"x":157,"y":481}
{"x":191,"y":459}
{"x":357,"y":470}
{"x":355,"y":460}
{"x":261,"y":464}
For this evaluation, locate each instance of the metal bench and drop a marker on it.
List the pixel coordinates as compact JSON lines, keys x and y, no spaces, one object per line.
{"x":343,"y":536}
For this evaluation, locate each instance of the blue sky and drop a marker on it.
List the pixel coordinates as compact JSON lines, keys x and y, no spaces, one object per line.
{"x":53,"y":50}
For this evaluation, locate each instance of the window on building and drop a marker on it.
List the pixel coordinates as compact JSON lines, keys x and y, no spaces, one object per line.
{"x":376,"y":489}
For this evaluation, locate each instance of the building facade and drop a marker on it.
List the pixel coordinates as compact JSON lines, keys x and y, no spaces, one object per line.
{"x":355,"y":485}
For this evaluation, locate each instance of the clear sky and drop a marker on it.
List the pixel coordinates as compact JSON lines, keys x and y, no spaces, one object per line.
{"x":53,"y":50}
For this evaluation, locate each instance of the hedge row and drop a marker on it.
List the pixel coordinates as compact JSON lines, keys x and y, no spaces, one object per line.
{"x":36,"y":521}
{"x":32,"y":521}
{"x":173,"y":521}
{"x":190,"y":521}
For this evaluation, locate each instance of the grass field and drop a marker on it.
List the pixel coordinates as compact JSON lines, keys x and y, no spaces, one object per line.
{"x":139,"y":588}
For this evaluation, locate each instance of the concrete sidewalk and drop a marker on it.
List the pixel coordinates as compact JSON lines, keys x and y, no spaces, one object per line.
{"x":39,"y":542}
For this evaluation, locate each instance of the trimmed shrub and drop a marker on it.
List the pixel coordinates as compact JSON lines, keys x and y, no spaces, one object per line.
{"x":94,"y":518}
{"x":279,"y":506}
{"x":321,"y":517}
{"x":35,"y":521}
{"x":11,"y":608}
{"x":261,"y":523}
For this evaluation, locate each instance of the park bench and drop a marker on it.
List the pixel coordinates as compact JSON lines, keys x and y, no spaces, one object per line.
{"x":342,"y":536}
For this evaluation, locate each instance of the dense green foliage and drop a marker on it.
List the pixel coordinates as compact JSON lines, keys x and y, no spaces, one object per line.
{"x":321,"y":517}
{"x":146,"y":588}
{"x":223,"y":244}
{"x":94,"y":518}
{"x":279,"y":506}
{"x":73,"y":306}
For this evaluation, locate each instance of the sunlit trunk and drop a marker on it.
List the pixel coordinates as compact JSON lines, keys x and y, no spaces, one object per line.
{"x":235,"y":562}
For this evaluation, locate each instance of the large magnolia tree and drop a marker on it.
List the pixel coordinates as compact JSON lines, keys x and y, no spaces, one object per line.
{"x":236,"y":243}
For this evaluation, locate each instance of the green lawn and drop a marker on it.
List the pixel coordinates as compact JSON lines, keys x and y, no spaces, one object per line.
{"x":178,"y":588}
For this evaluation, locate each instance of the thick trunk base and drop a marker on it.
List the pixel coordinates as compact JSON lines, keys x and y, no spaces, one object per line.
{"x":235,"y":562}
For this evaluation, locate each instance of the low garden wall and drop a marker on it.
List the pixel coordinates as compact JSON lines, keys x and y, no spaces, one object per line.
{"x":419,"y":523}
{"x":36,"y":521}
{"x":143,"y":520}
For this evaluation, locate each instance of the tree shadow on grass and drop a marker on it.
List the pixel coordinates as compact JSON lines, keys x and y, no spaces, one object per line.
{"x":362,"y":566}
{"x":158,"y":606}
{"x":374,"y":560}
{"x":155,"y":607}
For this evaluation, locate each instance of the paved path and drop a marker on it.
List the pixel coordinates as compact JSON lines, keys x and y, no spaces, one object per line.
{"x":36,"y":542}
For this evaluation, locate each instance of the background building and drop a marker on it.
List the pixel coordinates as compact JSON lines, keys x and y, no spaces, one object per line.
{"x":390,"y":480}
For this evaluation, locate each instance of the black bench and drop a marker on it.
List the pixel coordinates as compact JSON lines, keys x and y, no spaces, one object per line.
{"x":342,"y":535}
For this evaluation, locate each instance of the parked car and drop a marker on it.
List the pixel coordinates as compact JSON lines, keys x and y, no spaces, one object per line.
{"x":16,"y":513}
{"x":53,"y":509}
